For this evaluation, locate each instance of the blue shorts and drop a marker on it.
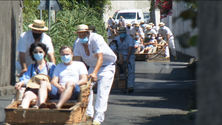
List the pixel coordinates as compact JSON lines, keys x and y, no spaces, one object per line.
{"x":54,"y":94}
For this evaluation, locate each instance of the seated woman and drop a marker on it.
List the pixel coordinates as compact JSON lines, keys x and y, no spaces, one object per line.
{"x":119,"y":62}
{"x":149,"y":45}
{"x":37,"y":51}
{"x":67,"y":78}
{"x":161,"y":42}
{"x":138,"y":45}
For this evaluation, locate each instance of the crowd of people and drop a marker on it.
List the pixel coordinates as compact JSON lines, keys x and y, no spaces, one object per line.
{"x":90,"y":57}
{"x":147,"y":37}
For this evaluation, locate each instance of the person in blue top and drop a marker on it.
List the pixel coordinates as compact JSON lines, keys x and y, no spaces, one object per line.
{"x":38,"y":52}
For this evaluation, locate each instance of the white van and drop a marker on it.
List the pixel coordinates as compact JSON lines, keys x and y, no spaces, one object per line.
{"x":130,"y":15}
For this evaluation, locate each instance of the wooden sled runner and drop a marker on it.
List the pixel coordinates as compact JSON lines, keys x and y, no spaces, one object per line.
{"x":71,"y":113}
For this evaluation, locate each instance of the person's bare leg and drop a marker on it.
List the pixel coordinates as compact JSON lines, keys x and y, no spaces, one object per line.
{"x":66,"y":94}
{"x":43,"y":92}
{"x":28,"y":97}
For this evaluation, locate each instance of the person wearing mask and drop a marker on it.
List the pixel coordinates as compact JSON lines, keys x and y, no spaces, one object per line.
{"x":94,"y":51}
{"x":153,"y":26}
{"x":110,"y":23}
{"x":122,"y":22}
{"x":149,"y":30}
{"x":138,"y":43}
{"x":168,"y":37}
{"x":26,"y":39}
{"x":137,"y":29}
{"x":37,"y":52}
{"x":113,"y":29}
{"x":150,"y":45}
{"x":126,"y":47}
{"x":128,"y":28}
{"x":67,"y":79}
{"x":119,"y":62}
{"x":161,"y":42}
{"x":143,"y":25}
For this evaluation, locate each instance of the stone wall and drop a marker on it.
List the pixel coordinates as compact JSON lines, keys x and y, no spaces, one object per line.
{"x":9,"y":34}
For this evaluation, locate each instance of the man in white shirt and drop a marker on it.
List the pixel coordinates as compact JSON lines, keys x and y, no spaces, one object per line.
{"x":126,"y":47}
{"x":66,"y":81}
{"x":26,"y":39}
{"x":122,"y":22}
{"x":143,"y":25}
{"x":137,"y":29}
{"x":110,"y":23}
{"x":128,"y":28}
{"x":94,"y":51}
{"x":154,"y":27}
{"x":149,"y":30}
{"x":168,"y":37}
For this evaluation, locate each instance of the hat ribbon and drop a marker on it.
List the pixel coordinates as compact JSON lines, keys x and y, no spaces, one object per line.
{"x":38,"y":26}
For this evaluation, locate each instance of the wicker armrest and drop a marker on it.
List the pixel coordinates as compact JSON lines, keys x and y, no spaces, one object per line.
{"x":85,"y":91}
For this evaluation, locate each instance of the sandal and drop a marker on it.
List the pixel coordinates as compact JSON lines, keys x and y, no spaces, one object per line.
{"x":35,"y":107}
{"x":54,"y":106}
{"x":43,"y":105}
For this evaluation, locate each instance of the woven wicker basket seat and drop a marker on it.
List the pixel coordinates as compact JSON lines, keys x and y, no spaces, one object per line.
{"x":72,"y":111}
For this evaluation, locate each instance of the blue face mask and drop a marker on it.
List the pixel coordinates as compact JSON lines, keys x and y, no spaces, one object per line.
{"x":66,"y":58}
{"x":84,"y":40}
{"x":136,"y":28}
{"x":137,"y":36}
{"x":113,"y":47}
{"x":143,"y":25}
{"x":161,"y":27}
{"x":123,"y":35}
{"x":38,"y":56}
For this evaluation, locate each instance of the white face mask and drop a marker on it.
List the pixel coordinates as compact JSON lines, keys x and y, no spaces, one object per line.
{"x":153,"y":37}
{"x":160,"y":37}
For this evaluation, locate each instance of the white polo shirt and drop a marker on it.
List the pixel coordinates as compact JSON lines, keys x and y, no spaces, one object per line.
{"x":96,"y":44}
{"x":140,"y":31}
{"x":128,"y":30}
{"x":110,"y":22}
{"x":152,"y":31}
{"x":165,"y":31}
{"x":26,"y":39}
{"x":123,"y":47}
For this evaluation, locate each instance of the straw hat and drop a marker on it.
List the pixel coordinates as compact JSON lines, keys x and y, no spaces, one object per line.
{"x":110,"y":17}
{"x":161,"y":24}
{"x":137,"y":24}
{"x":148,"y":27}
{"x":128,"y":24}
{"x":82,"y":28}
{"x":151,"y":24}
{"x":121,"y":17}
{"x":142,"y":22}
{"x":34,"y":82}
{"x":121,"y":30}
{"x":38,"y":25}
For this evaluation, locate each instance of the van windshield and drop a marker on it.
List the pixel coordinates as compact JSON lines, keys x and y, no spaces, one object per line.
{"x":127,"y":15}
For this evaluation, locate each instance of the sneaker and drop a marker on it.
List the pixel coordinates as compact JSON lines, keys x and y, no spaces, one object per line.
{"x":167,"y":57}
{"x":20,"y":107}
{"x":43,"y":105}
{"x":35,"y":107}
{"x":95,"y":123}
{"x":130,"y":90}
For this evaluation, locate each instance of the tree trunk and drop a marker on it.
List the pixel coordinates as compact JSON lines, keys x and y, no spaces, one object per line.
{"x":152,"y":13}
{"x":209,"y":73}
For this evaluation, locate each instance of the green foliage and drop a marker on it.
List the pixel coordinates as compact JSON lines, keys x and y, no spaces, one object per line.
{"x":73,"y":14}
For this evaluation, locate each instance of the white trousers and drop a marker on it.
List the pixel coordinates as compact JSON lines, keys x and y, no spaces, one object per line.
{"x":172,"y":46}
{"x":109,"y":32}
{"x":103,"y":89}
{"x":167,"y":51}
{"x":131,"y":71}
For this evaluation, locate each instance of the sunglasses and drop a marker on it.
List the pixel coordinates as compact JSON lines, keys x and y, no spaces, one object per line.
{"x":38,"y":52}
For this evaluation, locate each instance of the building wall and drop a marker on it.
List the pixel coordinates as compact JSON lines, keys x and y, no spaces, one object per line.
{"x":179,"y":27}
{"x":144,"y":5}
{"x":9,"y":33}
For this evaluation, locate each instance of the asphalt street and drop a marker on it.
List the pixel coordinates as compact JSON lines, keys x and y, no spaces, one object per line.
{"x":161,"y":97}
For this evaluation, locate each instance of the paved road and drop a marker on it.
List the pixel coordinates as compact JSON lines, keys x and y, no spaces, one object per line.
{"x":161,"y":97}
